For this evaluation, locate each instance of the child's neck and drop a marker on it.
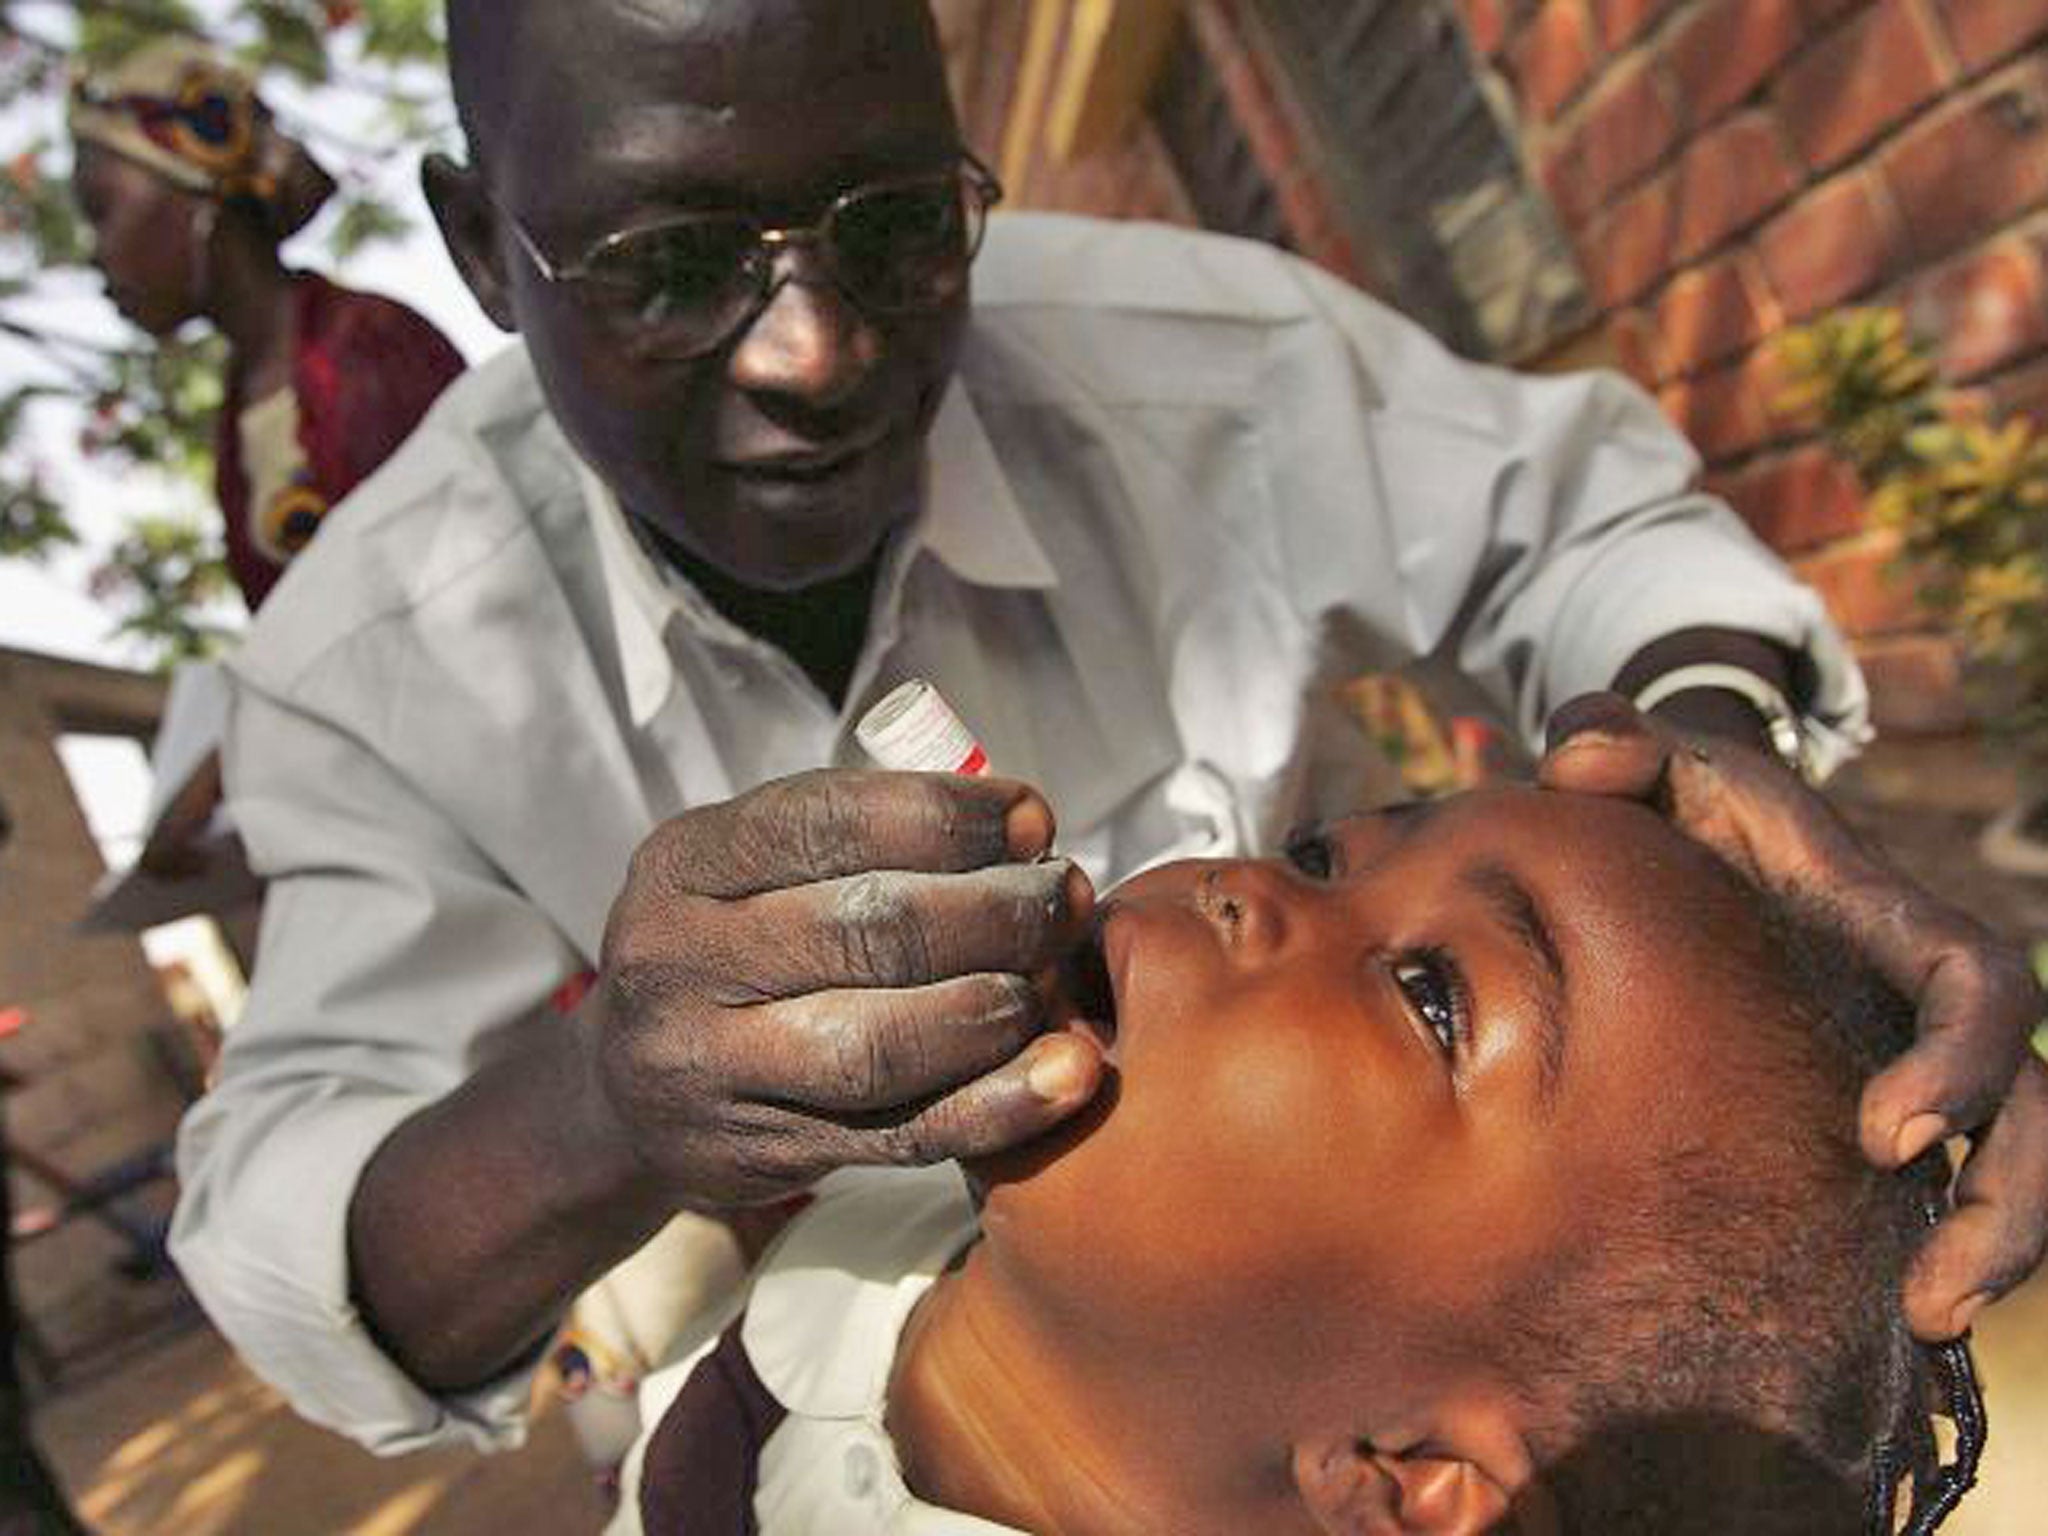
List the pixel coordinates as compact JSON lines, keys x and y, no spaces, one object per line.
{"x":996,"y":1416}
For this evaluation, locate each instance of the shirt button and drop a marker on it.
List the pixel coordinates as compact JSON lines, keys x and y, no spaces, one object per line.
{"x":863,"y":1470}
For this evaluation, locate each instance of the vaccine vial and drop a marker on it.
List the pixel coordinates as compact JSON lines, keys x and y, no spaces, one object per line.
{"x":914,"y":729}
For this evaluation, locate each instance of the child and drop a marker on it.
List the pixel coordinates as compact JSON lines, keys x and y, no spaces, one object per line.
{"x":1457,"y":1173}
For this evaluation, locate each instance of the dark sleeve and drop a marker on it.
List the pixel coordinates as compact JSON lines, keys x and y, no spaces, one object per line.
{"x":704,"y":1459}
{"x":366,"y":376}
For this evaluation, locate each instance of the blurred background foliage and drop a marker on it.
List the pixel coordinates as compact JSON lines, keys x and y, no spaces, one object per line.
{"x":358,"y":80}
{"x":1966,"y":491}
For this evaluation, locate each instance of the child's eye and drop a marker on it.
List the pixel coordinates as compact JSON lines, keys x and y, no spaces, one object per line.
{"x":1435,"y":989}
{"x":1310,"y":851}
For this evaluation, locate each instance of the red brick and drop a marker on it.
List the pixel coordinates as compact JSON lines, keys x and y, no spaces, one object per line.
{"x":1916,"y":685}
{"x":1304,"y":202}
{"x":1553,"y":57}
{"x":1985,"y":31}
{"x":1836,"y":242}
{"x":1864,"y":588}
{"x":1638,"y":349}
{"x":1621,"y":20}
{"x":1729,"y":179}
{"x":1975,"y":164}
{"x":1562,"y":171}
{"x":1628,"y":250}
{"x":1769,"y":382}
{"x":1986,"y":309}
{"x":1799,"y":500}
{"x":2022,"y":392}
{"x":1721,"y":412}
{"x":1727,"y":48}
{"x":1711,"y":314}
{"x":1628,"y":126}
{"x":1486,"y":23}
{"x":1858,"y":82}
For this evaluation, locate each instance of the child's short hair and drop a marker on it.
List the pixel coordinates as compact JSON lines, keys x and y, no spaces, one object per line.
{"x":1729,"y":1352}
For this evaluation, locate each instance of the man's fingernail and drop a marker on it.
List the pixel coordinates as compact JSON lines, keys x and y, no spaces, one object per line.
{"x":1917,"y":1135}
{"x":1589,"y":718}
{"x":1966,"y":1311}
{"x":1582,"y":741}
{"x":1078,"y":890}
{"x":1058,"y":1072}
{"x":1028,"y":828}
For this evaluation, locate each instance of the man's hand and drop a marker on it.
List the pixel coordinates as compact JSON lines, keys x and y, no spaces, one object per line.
{"x":837,"y":969}
{"x":834,"y":969}
{"x":1972,"y":1072}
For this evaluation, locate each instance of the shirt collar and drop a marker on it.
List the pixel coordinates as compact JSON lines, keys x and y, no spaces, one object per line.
{"x":640,"y":602}
{"x":971,"y":523}
{"x":828,"y":1308}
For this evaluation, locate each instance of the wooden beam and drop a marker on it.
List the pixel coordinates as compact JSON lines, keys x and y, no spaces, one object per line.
{"x":1115,"y":49}
{"x":1034,"y":84}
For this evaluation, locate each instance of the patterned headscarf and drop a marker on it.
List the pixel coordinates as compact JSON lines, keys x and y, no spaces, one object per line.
{"x":179,"y":109}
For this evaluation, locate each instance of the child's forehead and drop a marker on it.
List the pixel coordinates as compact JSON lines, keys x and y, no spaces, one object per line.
{"x":1662,"y":944}
{"x":1587,"y":830}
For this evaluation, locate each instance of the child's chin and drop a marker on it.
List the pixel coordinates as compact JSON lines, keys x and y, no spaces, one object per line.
{"x":988,"y":1176}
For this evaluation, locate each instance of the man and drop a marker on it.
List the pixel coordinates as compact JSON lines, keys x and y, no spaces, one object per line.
{"x":748,"y":472}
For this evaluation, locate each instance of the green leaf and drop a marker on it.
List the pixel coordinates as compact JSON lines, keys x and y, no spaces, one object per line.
{"x":110,"y":30}
{"x":293,"y":38}
{"x":403,"y":31}
{"x":164,"y":575}
{"x":364,"y":221}
{"x":32,"y":524}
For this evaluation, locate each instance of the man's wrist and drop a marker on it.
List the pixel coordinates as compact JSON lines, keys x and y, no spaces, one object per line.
{"x":612,"y":1156}
{"x":1724,"y":700}
{"x":1719,"y":682}
{"x":1714,"y":712}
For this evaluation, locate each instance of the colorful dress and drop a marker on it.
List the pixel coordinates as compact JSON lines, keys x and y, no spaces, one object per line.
{"x":364,"y":371}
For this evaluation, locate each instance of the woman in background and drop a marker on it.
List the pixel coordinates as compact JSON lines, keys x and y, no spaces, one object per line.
{"x":191,"y":188}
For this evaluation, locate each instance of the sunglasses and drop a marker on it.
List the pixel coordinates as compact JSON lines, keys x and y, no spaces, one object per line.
{"x":684,"y":286}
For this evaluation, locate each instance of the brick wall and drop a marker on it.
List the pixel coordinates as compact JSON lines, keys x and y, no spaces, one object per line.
{"x":1132,"y":178}
{"x":1727,"y":167}
{"x":1724,"y":168}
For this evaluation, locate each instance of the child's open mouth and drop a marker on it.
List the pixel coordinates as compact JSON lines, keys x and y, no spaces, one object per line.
{"x":1086,"y":999}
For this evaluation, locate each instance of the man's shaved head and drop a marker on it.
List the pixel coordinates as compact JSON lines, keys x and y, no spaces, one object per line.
{"x":489,"y":39}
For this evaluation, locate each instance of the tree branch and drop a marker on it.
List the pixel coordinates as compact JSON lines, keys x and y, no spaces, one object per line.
{"x":60,"y":349}
{"x":34,"y":41}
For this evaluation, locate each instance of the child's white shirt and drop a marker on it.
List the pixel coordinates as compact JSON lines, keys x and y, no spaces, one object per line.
{"x":823,"y":1317}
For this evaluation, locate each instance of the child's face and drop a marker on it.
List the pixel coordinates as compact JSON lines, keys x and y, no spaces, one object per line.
{"x":1359,"y":1090}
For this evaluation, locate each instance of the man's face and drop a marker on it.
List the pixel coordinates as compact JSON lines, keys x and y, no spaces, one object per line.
{"x":784,"y":456}
{"x":1357,"y":1094}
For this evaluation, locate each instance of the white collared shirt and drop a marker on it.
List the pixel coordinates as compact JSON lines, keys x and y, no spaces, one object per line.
{"x":1183,"y":486}
{"x":823,"y":1320}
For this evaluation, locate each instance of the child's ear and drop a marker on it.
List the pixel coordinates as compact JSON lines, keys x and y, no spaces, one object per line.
{"x":1351,"y":1489}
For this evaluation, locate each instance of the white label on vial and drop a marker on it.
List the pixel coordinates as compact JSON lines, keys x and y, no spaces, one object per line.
{"x":914,"y":729}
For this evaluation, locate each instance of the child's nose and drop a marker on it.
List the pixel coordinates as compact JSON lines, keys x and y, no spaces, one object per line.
{"x":1243,"y":903}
